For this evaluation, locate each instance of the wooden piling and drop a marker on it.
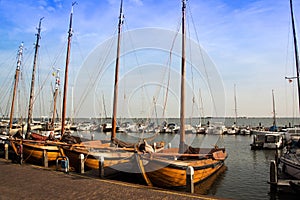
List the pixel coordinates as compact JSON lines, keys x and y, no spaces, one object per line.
{"x":101,"y":167}
{"x":190,"y":179}
{"x":45,"y":156}
{"x":81,"y":163}
{"x":6,"y":151}
{"x":273,"y":175}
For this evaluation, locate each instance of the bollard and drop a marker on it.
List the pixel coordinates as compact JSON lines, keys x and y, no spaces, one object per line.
{"x":6,"y":151}
{"x":190,"y":179}
{"x":169,"y":146}
{"x":64,"y":163}
{"x":81,"y":163}
{"x":92,"y":137}
{"x":101,"y":167}
{"x":45,"y":156}
{"x":273,"y":175}
{"x":154,"y":146}
{"x":21,"y":153}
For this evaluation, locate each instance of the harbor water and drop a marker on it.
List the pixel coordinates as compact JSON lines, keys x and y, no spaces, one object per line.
{"x":244,"y":176}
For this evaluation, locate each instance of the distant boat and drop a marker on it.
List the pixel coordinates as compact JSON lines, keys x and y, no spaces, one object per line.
{"x":167,"y":167}
{"x":234,"y":129}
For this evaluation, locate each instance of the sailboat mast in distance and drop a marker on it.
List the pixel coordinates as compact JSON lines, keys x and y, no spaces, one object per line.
{"x":20,"y":53}
{"x":274,"y":112}
{"x":63,"y":119}
{"x":30,"y":107}
{"x":182,"y":96}
{"x":114,"y":116}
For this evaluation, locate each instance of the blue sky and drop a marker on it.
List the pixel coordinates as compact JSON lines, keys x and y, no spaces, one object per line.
{"x":249,"y":41}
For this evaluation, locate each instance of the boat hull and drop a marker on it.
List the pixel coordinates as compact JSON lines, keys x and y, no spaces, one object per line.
{"x":34,"y":151}
{"x":291,"y":166}
{"x":93,"y":156}
{"x":163,"y":171}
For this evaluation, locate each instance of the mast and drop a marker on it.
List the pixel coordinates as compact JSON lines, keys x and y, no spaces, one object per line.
{"x":63,"y":118}
{"x":235,"y":106}
{"x":274,"y":113}
{"x":182,"y":96}
{"x":114,"y":116}
{"x":20,"y":52}
{"x":296,"y":51}
{"x":57,"y":82}
{"x":30,"y":107}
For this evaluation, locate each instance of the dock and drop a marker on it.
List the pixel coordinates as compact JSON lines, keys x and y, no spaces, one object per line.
{"x":28,"y":181}
{"x":281,"y":183}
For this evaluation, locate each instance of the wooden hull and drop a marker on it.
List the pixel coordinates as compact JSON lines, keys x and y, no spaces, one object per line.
{"x":164,"y":171}
{"x":92,"y":156}
{"x":34,"y":151}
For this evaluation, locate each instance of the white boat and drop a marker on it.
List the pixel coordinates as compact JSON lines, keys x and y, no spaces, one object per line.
{"x":216,"y":129}
{"x":273,"y":141}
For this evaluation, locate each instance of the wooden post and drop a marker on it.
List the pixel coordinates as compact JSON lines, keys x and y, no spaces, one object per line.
{"x":101,"y":167}
{"x":190,"y":179}
{"x":273,"y":175}
{"x":81,"y":163}
{"x":21,"y":153}
{"x":45,"y":156}
{"x":6,"y":151}
{"x":92,"y":137}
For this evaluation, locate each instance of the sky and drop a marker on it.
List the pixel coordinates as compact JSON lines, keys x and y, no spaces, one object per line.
{"x":249,"y":43}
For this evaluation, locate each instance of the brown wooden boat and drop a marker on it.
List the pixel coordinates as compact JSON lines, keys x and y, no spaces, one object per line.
{"x":113,"y":152}
{"x":94,"y":152}
{"x":167,"y":168}
{"x":33,"y":151}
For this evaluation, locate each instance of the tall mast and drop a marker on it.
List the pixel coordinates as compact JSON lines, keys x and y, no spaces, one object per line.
{"x":20,"y":52}
{"x":63,"y":119}
{"x":114,"y":116}
{"x":274,"y":113}
{"x":296,"y":51}
{"x":182,"y":97}
{"x":235,"y":105}
{"x":57,"y":82}
{"x":30,"y":107}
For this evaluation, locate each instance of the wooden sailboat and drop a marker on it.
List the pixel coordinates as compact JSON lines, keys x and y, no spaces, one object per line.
{"x":35,"y":150}
{"x":32,"y":150}
{"x":290,"y":160}
{"x":167,"y":168}
{"x":110,"y":151}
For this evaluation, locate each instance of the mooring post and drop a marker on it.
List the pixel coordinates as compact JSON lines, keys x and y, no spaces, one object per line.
{"x":273,"y":175}
{"x":101,"y":167}
{"x":21,"y":153}
{"x":45,"y":156}
{"x":190,"y":179}
{"x":81,"y":163}
{"x":6,"y":151}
